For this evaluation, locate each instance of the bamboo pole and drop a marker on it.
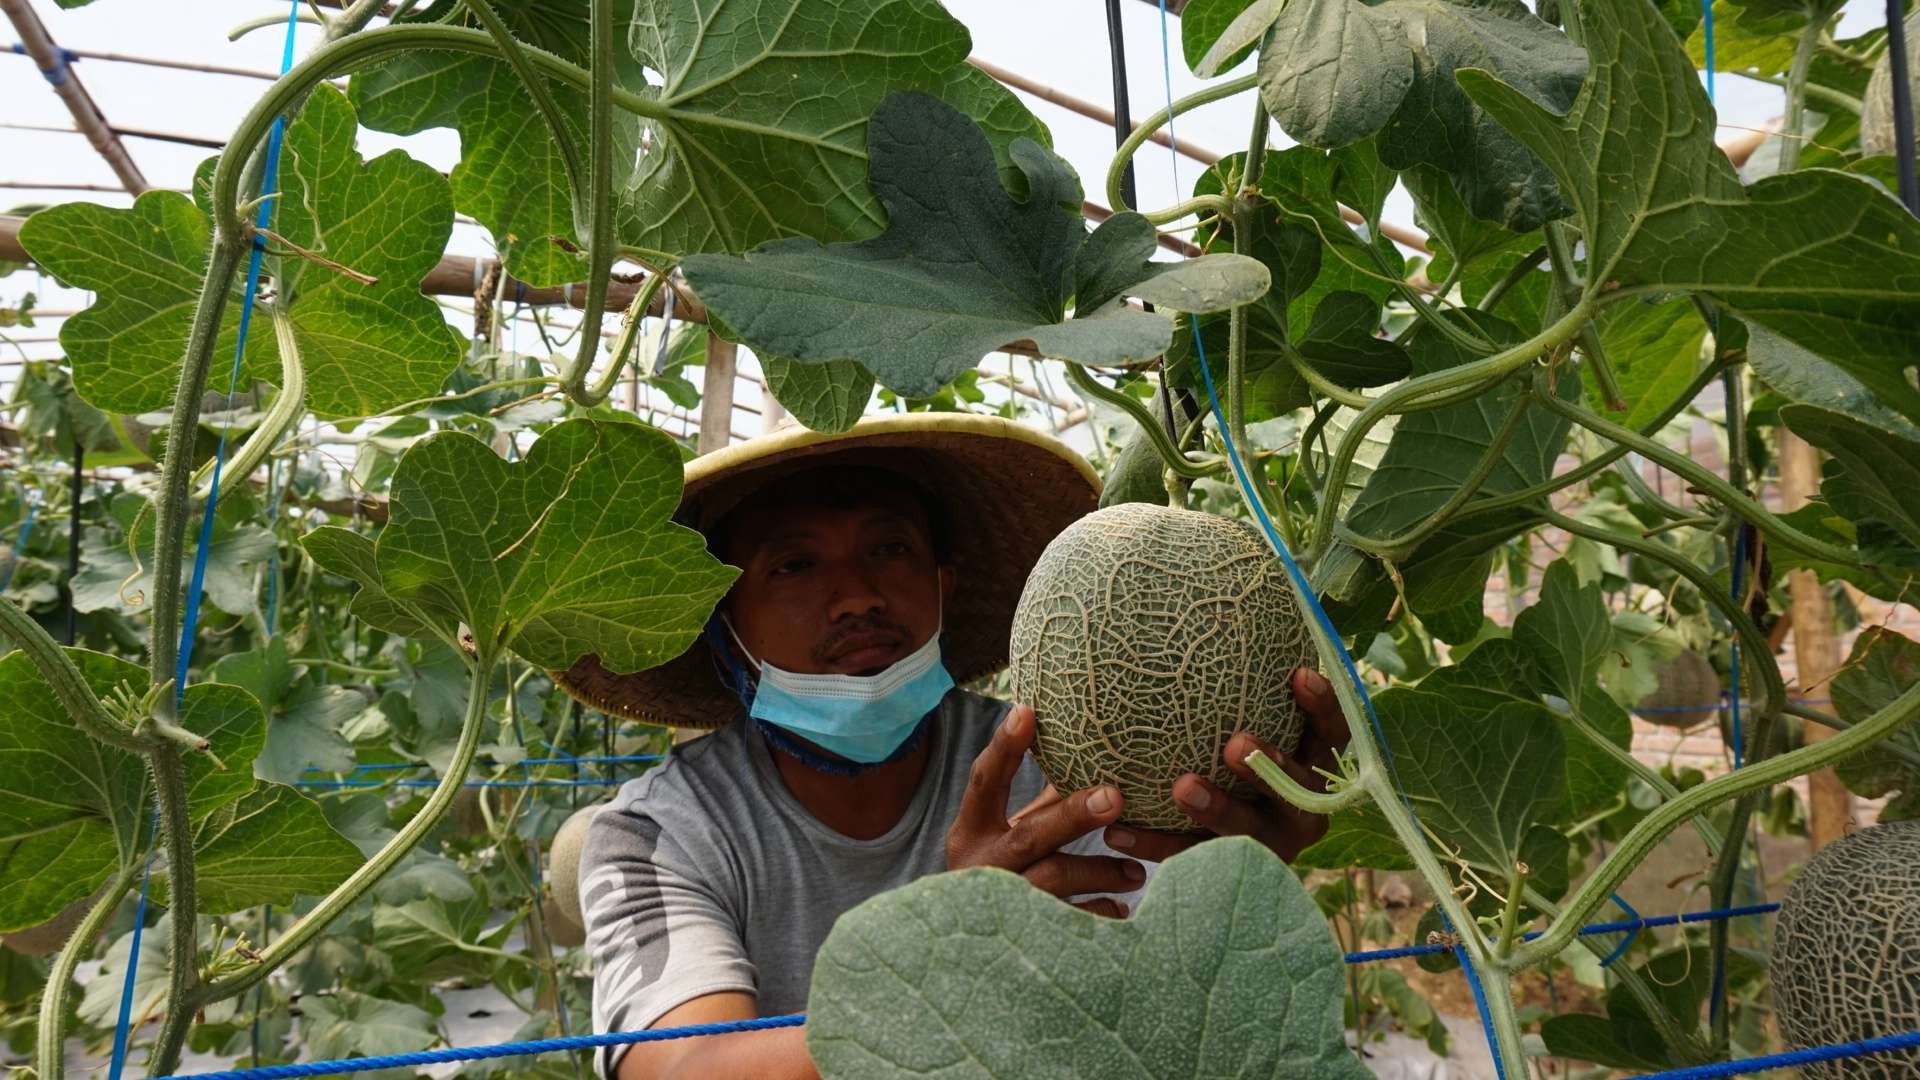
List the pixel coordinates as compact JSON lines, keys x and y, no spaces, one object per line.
{"x":716,"y":395}
{"x":1816,"y":648}
{"x":86,"y":114}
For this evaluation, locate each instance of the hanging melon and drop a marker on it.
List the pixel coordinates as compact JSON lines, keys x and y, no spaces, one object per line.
{"x":1876,"y":117}
{"x":563,"y":868}
{"x":1688,"y":694}
{"x":1846,"y":951}
{"x":1144,"y":638}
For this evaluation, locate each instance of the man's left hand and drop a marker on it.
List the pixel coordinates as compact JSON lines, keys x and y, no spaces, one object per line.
{"x":1267,"y":817}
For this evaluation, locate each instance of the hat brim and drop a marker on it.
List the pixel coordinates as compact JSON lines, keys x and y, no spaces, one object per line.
{"x":1008,"y":489}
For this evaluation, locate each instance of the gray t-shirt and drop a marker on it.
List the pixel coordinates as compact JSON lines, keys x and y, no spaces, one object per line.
{"x":705,"y":874}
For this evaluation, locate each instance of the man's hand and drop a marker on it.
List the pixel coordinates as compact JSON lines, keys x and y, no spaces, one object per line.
{"x":1267,"y":818}
{"x":1029,"y":844}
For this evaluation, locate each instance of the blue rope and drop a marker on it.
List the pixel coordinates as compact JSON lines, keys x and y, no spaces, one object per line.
{"x":1634,"y":924}
{"x":1621,"y":949}
{"x":481,"y":1053}
{"x":190,"y":625}
{"x":125,"y":1024}
{"x":617,"y":759}
{"x":1306,"y":591}
{"x":1860,"y":1048}
{"x":610,"y":782}
{"x":1706,"y":33}
{"x":20,"y":543}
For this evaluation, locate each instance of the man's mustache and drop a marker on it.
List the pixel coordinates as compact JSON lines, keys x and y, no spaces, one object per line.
{"x":866,"y":627}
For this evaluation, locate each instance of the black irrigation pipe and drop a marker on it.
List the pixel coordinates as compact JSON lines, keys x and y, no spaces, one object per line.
{"x":1903,"y":144}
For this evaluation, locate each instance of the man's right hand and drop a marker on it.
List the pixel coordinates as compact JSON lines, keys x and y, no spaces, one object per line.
{"x":1030,"y":845}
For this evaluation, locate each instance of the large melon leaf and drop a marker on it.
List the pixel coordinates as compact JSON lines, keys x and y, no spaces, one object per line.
{"x":1571,"y":638}
{"x":1882,"y":665}
{"x":568,"y":551}
{"x":825,"y":397}
{"x":979,"y":974}
{"x":1873,"y":473}
{"x":1825,"y":259}
{"x":964,"y":268}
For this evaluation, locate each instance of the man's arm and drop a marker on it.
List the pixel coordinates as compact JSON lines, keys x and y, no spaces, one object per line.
{"x":779,"y":1054}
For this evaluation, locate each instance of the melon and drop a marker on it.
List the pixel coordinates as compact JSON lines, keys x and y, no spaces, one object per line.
{"x":563,"y":868}
{"x":1144,"y":638}
{"x":1876,"y":115}
{"x":562,"y":931}
{"x":1846,"y":951}
{"x":1688,"y":694}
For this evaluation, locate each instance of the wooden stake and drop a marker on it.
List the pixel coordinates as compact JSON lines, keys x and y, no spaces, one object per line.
{"x":1816,"y":648}
{"x":716,"y":396}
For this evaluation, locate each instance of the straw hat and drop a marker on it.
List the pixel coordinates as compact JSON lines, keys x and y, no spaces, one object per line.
{"x":1008,"y":490}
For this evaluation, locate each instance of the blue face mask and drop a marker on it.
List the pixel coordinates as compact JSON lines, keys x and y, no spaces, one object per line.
{"x":862,"y":718}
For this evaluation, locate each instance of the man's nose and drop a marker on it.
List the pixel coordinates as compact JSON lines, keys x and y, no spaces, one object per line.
{"x":855,"y":593}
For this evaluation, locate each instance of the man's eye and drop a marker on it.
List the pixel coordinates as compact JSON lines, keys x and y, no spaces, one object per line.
{"x":893,"y":547}
{"x":787,"y":567}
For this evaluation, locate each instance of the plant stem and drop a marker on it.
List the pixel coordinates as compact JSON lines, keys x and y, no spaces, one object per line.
{"x":1357,"y":791}
{"x":1560,"y":254}
{"x":1498,"y":365}
{"x":183,"y":910}
{"x":50,"y":1058}
{"x":283,"y":415}
{"x":599,"y":209}
{"x":629,"y":329}
{"x":343,"y":896}
{"x":1515,"y":274}
{"x":516,"y":55}
{"x":1510,"y":912}
{"x":1647,"y":774}
{"x":1777,"y":530}
{"x":1593,"y":892}
{"x":1794,"y":127}
{"x":1801,"y":712}
{"x":1085,"y":382}
{"x":1116,"y":170}
{"x":64,"y":676}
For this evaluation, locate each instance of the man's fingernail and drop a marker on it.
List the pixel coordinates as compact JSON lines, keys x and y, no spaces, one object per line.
{"x":1120,"y":839}
{"x":1101,"y":800}
{"x":1135,"y":872}
{"x":1198,"y":797}
{"x":1124,"y":909}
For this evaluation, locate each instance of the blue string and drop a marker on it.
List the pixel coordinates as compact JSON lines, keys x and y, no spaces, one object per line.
{"x":1634,"y":924}
{"x":608,"y":782}
{"x":1621,"y":949}
{"x":480,"y":1053}
{"x":1286,"y":558}
{"x":621,"y":758}
{"x":1884,"y":1044}
{"x":1706,"y":33}
{"x":125,"y":1023}
{"x":20,"y":543}
{"x":190,"y":625}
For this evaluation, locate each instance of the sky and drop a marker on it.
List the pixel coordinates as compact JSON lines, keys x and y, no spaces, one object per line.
{"x":1059,"y":42}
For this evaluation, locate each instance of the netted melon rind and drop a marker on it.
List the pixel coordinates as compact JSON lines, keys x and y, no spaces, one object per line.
{"x":1688,"y":694}
{"x":563,"y":869}
{"x":1877,"y":134}
{"x":1145,"y":637}
{"x":1846,"y":951}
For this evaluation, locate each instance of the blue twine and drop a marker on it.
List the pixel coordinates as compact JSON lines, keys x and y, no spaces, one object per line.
{"x":1883,"y":1044}
{"x":609,"y":782}
{"x":480,"y":1053}
{"x":1634,"y":924}
{"x":125,"y":1023}
{"x":1621,"y":949}
{"x":620,"y":758}
{"x":20,"y":543}
{"x":190,"y":625}
{"x":1305,"y":589}
{"x":1706,"y":33}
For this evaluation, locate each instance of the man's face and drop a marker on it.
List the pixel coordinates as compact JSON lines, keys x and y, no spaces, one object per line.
{"x":837,"y":590}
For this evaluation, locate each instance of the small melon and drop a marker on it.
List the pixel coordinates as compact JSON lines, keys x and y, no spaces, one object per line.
{"x":562,"y":931}
{"x":1688,"y":694}
{"x":563,"y":868}
{"x":1846,"y":951}
{"x":1145,"y":637}
{"x":1876,"y":116}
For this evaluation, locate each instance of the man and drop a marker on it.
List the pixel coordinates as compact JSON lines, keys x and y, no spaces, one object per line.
{"x":877,"y":569}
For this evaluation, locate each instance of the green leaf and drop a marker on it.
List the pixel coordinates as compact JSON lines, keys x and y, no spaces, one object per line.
{"x":1882,"y":665}
{"x":1873,"y":474}
{"x":1825,"y":259}
{"x":268,"y":847}
{"x":1459,"y":239}
{"x":1757,"y":38}
{"x":348,"y":1023}
{"x":1655,"y":350}
{"x":1341,"y":70}
{"x":72,"y":809}
{"x":1570,"y":637}
{"x":1201,"y":24}
{"x":740,"y":159}
{"x":365,"y":348}
{"x":979,"y":974}
{"x":144,"y":264}
{"x":1434,"y":452}
{"x":344,"y":552}
{"x":565,"y":552}
{"x":110,"y":581}
{"x":303,"y":715}
{"x":963,"y":269}
{"x":826,"y":397}
{"x":1805,"y":378}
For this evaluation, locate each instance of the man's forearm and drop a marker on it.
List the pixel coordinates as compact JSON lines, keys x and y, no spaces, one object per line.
{"x":780,"y":1054}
